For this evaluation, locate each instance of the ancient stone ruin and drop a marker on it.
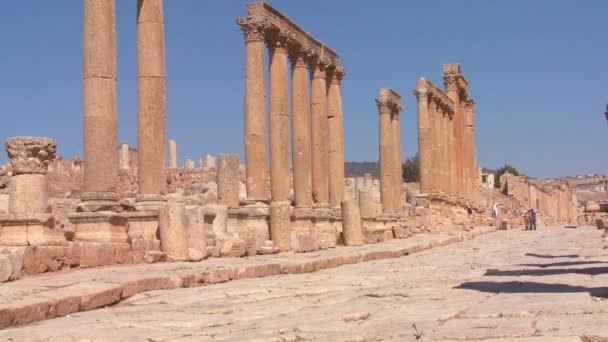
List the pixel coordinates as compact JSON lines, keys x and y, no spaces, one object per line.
{"x":122,"y":205}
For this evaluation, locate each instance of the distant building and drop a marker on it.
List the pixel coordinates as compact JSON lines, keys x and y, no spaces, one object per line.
{"x":487,"y":180}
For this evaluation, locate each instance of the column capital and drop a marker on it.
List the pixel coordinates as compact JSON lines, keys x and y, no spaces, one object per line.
{"x":471,"y":103}
{"x":299,"y":56}
{"x":254,"y":28}
{"x":451,"y":81}
{"x":422,"y":94}
{"x":318,"y":66}
{"x":388,"y":107}
{"x":336,"y":74}
{"x":279,"y":40}
{"x":29,"y":155}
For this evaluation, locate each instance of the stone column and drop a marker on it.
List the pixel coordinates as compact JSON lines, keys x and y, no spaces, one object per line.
{"x":255,"y":107}
{"x":351,"y":224}
{"x":318,"y":123}
{"x":151,"y":102}
{"x":125,"y":157}
{"x":99,"y":99}
{"x":425,"y":138}
{"x":172,"y":154}
{"x":335,"y":135}
{"x":386,"y":155}
{"x":29,"y":222}
{"x":172,"y":228}
{"x":452,"y":81}
{"x":228,"y":180}
{"x":280,"y":224}
{"x":436,"y":173}
{"x":472,"y":149}
{"x":279,"y":116}
{"x":30,"y":158}
{"x":397,"y":163}
{"x":300,"y":127}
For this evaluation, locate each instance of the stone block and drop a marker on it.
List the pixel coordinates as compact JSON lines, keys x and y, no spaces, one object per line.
{"x":104,"y":227}
{"x":173,"y":223}
{"x":30,"y":230}
{"x":195,"y":230}
{"x":142,"y":224}
{"x":302,"y":242}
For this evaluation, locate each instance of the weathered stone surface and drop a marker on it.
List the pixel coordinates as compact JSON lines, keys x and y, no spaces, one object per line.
{"x":280,"y":220}
{"x":30,"y":154}
{"x":172,"y":227}
{"x":228,"y":180}
{"x":351,"y":224}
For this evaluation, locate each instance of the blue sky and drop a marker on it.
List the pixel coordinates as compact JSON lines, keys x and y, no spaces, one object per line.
{"x":538,"y":70}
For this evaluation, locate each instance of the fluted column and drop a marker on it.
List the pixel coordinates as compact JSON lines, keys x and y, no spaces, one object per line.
{"x":151,"y":100}
{"x":472,"y":149}
{"x":255,"y":108}
{"x":455,"y":136}
{"x":397,"y":163}
{"x":386,"y":156}
{"x":99,"y":106}
{"x":335,"y":136}
{"x":425,"y":140}
{"x":279,"y":116}
{"x":300,"y":127}
{"x":318,"y":118}
{"x":444,"y":152}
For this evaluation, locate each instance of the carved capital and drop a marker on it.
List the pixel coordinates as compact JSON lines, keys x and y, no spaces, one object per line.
{"x":30,"y":154}
{"x":254,"y":28}
{"x":279,"y":40}
{"x":471,"y":103}
{"x":451,"y":81}
{"x":422,"y":94}
{"x":388,"y":107}
{"x":337,"y":75}
{"x":299,"y":56}
{"x":318,"y":66}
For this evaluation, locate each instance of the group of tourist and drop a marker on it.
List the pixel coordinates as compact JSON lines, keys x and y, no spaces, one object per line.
{"x":530,"y":219}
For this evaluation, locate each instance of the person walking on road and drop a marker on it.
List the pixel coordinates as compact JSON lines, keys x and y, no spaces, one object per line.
{"x":532,"y":218}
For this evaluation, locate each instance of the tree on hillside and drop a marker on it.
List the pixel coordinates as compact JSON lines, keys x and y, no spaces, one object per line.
{"x":411,"y":170}
{"x":507,"y":168}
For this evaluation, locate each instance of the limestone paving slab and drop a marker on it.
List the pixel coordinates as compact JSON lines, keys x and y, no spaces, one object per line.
{"x":450,"y":293}
{"x":57,"y":294}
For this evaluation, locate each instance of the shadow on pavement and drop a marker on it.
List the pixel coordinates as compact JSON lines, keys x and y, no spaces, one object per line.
{"x":565,"y":263}
{"x":547,"y":256}
{"x":530,"y":287}
{"x":547,"y":272}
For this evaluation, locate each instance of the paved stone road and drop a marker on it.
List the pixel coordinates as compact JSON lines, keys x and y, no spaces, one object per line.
{"x":548,"y":285}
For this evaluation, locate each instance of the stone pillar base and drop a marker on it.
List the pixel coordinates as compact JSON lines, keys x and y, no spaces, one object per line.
{"x":143,"y":224}
{"x":101,"y":226}
{"x":304,"y":236}
{"x":251,"y":223}
{"x":149,"y":202}
{"x":30,"y":230}
{"x":375,"y":231}
{"x":99,"y":201}
{"x":326,"y":233}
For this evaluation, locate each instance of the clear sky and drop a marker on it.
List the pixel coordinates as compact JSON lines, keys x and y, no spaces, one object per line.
{"x":538,"y":70}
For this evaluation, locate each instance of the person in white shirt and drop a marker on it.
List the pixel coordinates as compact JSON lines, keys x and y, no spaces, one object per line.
{"x":496,"y":212}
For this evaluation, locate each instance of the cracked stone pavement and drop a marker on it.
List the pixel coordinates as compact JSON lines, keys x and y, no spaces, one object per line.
{"x":545,"y":285}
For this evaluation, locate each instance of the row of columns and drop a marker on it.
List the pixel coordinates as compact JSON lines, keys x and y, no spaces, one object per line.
{"x":317,"y":136}
{"x":391,"y":172}
{"x":446,"y":137}
{"x":99,"y":98}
